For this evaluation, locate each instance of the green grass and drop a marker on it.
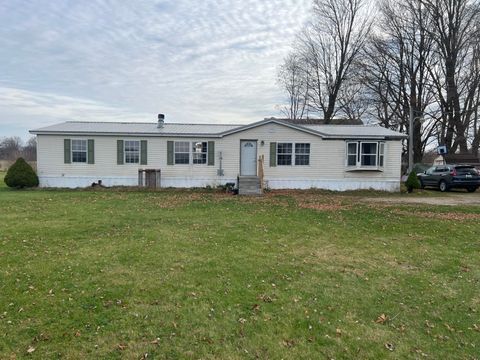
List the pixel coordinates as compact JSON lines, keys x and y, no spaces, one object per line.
{"x":119,"y":274}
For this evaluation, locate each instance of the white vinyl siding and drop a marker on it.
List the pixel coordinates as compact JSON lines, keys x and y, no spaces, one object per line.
{"x":327,"y":161}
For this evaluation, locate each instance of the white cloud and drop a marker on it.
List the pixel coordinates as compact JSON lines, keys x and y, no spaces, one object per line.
{"x":196,"y":61}
{"x":33,"y":106}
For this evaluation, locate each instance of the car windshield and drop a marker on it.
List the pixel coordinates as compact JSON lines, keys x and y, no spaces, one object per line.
{"x":464,"y":170}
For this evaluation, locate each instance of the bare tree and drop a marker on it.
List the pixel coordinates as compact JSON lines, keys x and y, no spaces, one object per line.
{"x":10,"y":148}
{"x":29,"y":151}
{"x":397,"y":61}
{"x":293,"y":78}
{"x":456,"y":34}
{"x":323,"y":55}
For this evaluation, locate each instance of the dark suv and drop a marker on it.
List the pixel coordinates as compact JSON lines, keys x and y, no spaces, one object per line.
{"x":446,"y":177}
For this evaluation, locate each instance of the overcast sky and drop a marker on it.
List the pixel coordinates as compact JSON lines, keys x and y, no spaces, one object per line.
{"x":196,"y":61}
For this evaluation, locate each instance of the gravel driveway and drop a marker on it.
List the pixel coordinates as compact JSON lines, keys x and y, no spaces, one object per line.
{"x":449,"y":198}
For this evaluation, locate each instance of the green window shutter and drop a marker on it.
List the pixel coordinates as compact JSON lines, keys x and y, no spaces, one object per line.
{"x":169,"y":152}
{"x":67,"y":151}
{"x":273,"y":154}
{"x":143,"y":152}
{"x":91,"y":151}
{"x":119,"y":152}
{"x":211,"y":153}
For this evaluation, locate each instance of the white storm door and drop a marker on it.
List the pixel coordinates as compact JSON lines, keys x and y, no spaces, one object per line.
{"x":248,"y":157}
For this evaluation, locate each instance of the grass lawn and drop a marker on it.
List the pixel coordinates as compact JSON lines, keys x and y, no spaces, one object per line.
{"x":120,"y":274}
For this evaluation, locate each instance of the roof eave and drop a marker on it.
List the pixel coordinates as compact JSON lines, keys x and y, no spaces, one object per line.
{"x":364,"y":137}
{"x":268,"y":121}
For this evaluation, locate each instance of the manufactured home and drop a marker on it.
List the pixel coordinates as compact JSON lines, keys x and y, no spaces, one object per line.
{"x":272,"y":153}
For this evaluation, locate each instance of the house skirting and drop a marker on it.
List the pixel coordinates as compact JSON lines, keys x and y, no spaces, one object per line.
{"x":73,"y":182}
{"x":183,"y":182}
{"x":335,"y":184}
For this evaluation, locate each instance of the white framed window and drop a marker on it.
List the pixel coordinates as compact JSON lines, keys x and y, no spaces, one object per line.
{"x":365,"y":155}
{"x":132,"y":151}
{"x":302,"y":154}
{"x":199,"y":152}
{"x":186,"y":152}
{"x":352,"y":153}
{"x":284,"y":154}
{"x":182,"y":152}
{"x":368,"y":153}
{"x":381,"y":154}
{"x":79,"y":151}
{"x":293,"y":154}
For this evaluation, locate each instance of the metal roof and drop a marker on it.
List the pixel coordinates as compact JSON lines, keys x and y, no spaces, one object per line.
{"x":354,"y":131}
{"x":130,"y":128}
{"x":211,"y":130}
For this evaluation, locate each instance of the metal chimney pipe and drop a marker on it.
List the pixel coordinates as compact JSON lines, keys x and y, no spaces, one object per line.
{"x":161,"y":120}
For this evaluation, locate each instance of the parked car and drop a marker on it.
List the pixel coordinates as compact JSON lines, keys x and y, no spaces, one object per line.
{"x":446,"y":177}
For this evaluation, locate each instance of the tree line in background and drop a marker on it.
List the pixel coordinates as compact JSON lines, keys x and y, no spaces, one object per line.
{"x":379,"y":61}
{"x":11,"y":148}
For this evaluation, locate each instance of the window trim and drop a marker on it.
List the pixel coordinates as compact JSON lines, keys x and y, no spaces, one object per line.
{"x":86,"y":151}
{"x":293,"y":153}
{"x":362,"y":154}
{"x":378,"y":154}
{"x":125,"y":152}
{"x":191,"y":144}
{"x":201,"y":153}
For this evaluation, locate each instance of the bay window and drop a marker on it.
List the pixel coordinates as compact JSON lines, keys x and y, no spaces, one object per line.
{"x":365,"y":155}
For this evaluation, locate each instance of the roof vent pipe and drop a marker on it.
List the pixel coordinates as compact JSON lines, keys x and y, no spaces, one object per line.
{"x":161,"y":120}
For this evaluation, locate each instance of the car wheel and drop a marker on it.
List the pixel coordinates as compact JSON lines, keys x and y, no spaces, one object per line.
{"x":471,"y":189}
{"x":443,"y":186}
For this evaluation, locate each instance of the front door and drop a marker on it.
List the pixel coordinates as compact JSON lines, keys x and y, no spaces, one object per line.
{"x":248,"y":157}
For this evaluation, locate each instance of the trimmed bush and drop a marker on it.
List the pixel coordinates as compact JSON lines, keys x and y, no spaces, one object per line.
{"x":412,"y":182}
{"x":21,"y":175}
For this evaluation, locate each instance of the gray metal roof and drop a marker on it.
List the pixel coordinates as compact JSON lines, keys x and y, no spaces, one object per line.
{"x":363,"y":131}
{"x":211,"y":130}
{"x":105,"y":128}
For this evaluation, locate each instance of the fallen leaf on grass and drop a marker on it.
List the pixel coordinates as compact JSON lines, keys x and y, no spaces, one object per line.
{"x":155,"y":342}
{"x":338,"y":332}
{"x":256,"y":307}
{"x":30,"y":349}
{"x":449,"y":327}
{"x":288,"y":343}
{"x":390,"y":346}
{"x":121,"y":347}
{"x":381,"y":319}
{"x":265,"y":298}
{"x":428,"y":324}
